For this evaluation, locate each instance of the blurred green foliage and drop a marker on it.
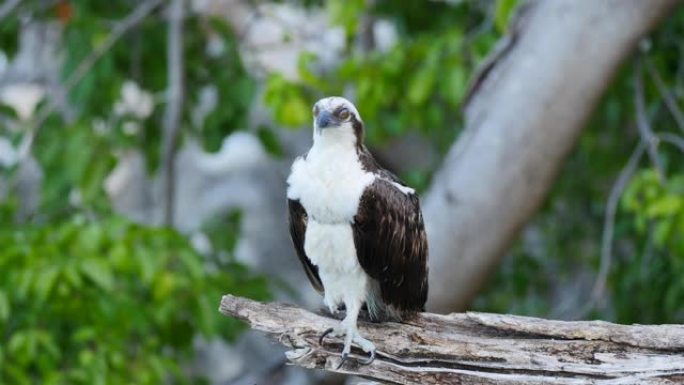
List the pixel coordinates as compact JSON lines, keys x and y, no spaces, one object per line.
{"x":105,"y":301}
{"x":88,"y":297}
{"x":653,"y":273}
{"x":417,"y":85}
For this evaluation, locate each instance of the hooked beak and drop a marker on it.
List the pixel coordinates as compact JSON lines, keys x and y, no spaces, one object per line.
{"x":324,"y":120}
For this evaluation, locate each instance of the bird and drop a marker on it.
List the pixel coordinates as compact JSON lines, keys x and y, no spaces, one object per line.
{"x":357,"y":229}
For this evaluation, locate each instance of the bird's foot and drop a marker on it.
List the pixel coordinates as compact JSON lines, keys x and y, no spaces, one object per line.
{"x":351,"y":335}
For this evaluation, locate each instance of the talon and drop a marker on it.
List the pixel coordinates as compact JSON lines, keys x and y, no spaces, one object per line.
{"x":344,"y":358}
{"x":292,"y":342}
{"x":369,"y":360}
{"x":325,"y":333}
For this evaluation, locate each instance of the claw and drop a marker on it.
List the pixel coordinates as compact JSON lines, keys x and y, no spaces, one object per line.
{"x":344,"y":358}
{"x":369,"y":360}
{"x":292,"y":342}
{"x":325,"y":333}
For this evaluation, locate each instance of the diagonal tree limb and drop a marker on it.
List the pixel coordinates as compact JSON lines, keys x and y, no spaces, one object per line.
{"x":523,"y":117}
{"x":7,"y":7}
{"x":479,"y":348}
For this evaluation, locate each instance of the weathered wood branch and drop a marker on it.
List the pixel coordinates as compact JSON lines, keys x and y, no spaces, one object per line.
{"x":479,"y":348}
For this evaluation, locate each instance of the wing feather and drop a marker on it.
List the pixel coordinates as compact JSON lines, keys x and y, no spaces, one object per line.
{"x":391,"y":245}
{"x":298,"y":220}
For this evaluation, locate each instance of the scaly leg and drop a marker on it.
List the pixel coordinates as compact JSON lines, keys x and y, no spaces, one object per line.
{"x":351,"y":335}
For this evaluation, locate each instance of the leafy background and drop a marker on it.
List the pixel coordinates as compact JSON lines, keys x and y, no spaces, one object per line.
{"x":88,"y":296}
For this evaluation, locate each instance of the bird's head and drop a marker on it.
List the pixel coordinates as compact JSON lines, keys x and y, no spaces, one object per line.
{"x":337,"y":117}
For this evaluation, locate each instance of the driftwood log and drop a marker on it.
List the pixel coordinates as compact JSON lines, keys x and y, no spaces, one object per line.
{"x":478,"y":348}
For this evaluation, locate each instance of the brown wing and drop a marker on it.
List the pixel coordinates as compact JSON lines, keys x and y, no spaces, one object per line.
{"x":298,"y":220}
{"x":391,"y":245}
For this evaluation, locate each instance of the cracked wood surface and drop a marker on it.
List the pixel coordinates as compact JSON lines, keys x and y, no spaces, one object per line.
{"x":478,"y":348}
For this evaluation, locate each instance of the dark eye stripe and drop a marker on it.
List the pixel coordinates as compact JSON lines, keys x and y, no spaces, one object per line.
{"x":339,"y":110}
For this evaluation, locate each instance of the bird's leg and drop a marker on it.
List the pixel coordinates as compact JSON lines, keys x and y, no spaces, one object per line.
{"x":349,"y":330}
{"x":332,"y":305}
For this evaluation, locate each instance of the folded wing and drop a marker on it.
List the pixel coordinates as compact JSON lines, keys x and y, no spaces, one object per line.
{"x":391,"y":244}
{"x":298,"y":220}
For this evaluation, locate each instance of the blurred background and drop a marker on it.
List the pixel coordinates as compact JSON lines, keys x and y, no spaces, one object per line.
{"x":144,"y":147}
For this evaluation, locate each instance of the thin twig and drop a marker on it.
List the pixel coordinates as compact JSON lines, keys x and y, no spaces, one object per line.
{"x":172,"y":115}
{"x":365,"y":33}
{"x":666,"y":94}
{"x":645,"y":130}
{"x":134,"y":18}
{"x":7,"y":7}
{"x":674,"y":139}
{"x":609,"y":222}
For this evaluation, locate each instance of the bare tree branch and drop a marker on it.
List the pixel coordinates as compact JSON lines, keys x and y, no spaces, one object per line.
{"x":666,"y":94}
{"x":7,"y":7}
{"x":673,"y":139}
{"x":120,"y":29}
{"x":616,"y":191}
{"x":479,"y":348}
{"x":644,"y":126}
{"x":174,"y":106}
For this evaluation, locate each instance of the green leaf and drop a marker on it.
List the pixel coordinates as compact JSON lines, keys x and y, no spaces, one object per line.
{"x":662,"y":231}
{"x":48,"y":345}
{"x":270,"y":142}
{"x":85,"y":334}
{"x":18,"y":342}
{"x":304,"y":64}
{"x":17,"y":375}
{"x":502,"y":14}
{"x":421,"y":85}
{"x":192,"y":262}
{"x":163,"y":285}
{"x":294,"y":111}
{"x":4,"y":307}
{"x":346,"y":13}
{"x":7,"y":111}
{"x":148,"y":263}
{"x":99,"y":273}
{"x":72,"y":276}
{"x":45,"y":281}
{"x":453,"y":86}
{"x":666,"y":205}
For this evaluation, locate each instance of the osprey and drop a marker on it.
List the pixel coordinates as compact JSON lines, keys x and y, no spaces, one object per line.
{"x":357,"y":229}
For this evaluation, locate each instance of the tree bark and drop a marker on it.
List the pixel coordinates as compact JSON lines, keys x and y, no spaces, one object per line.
{"x":174,"y":107}
{"x":478,"y":348}
{"x":524,"y":115}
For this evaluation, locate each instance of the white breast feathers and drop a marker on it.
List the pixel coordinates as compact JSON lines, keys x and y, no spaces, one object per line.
{"x":329,"y":183}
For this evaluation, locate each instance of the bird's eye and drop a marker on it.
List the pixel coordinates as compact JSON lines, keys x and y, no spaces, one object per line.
{"x":315,"y":110}
{"x":343,"y":114}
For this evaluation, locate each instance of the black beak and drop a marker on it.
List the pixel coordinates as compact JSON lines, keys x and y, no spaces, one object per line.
{"x":324,"y":119}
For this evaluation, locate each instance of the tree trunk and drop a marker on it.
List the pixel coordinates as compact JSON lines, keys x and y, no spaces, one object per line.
{"x":478,"y":348}
{"x":526,"y":111}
